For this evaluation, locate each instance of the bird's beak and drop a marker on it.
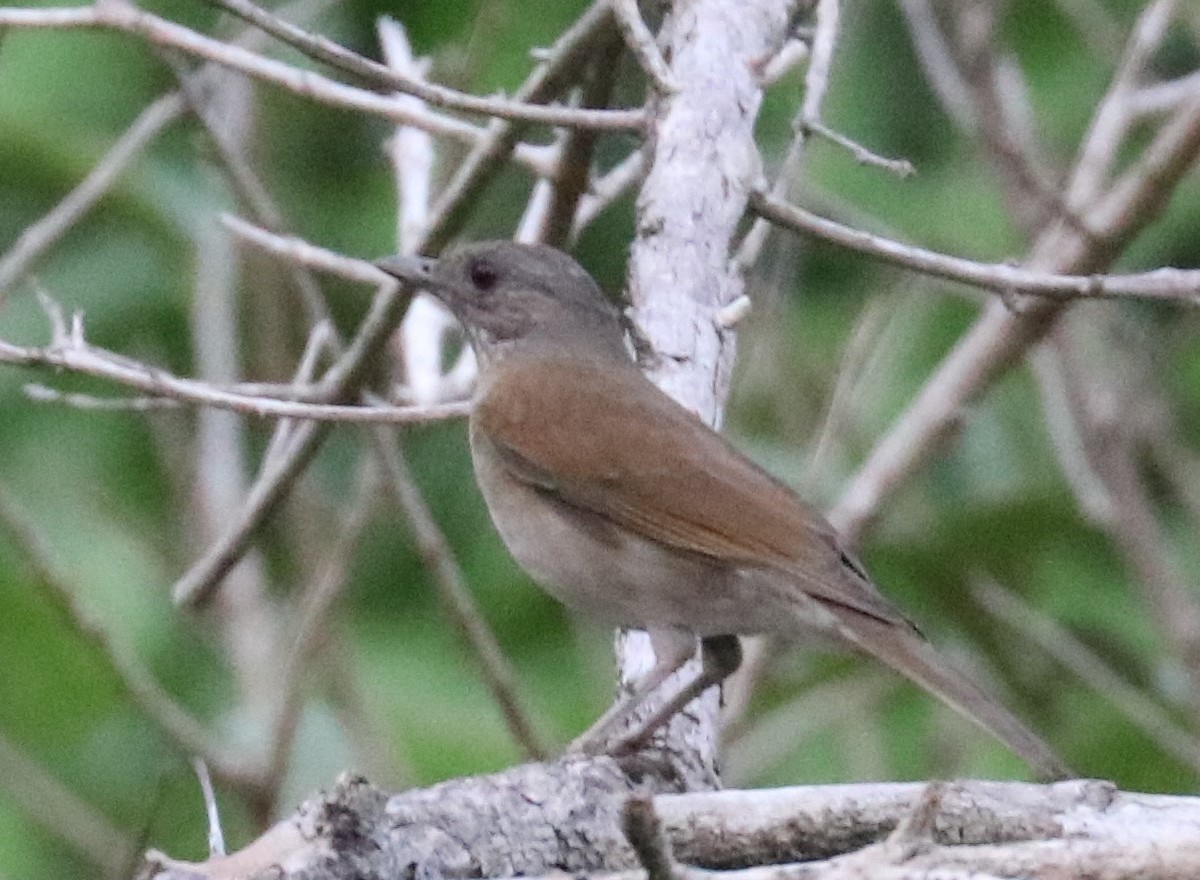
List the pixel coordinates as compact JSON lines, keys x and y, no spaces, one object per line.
{"x":414,"y":270}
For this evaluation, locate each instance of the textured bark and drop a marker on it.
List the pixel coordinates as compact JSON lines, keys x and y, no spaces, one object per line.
{"x":703,"y":161}
{"x":540,"y":819}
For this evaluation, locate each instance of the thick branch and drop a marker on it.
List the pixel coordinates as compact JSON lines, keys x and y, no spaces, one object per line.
{"x":543,"y":819}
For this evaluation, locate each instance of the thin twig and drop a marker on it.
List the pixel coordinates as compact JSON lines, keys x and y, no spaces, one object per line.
{"x":81,"y":357}
{"x":607,"y":189}
{"x":387,"y":308}
{"x":315,"y":606}
{"x":296,"y":250}
{"x":1165,"y":97}
{"x":122,"y":16}
{"x":216,"y":838}
{"x":641,"y":44}
{"x":794,"y":53}
{"x":44,"y":394}
{"x":419,"y":343}
{"x":816,"y":84}
{"x":643,"y":829}
{"x":816,"y":79}
{"x":61,"y":813}
{"x":1171,"y":285}
{"x":438,"y":556}
{"x":578,"y":146}
{"x":1000,"y":337}
{"x":139,"y":686}
{"x":39,"y":236}
{"x":1060,"y":643}
{"x":392,"y":79}
{"x":864,"y":156}
{"x":1111,"y":121}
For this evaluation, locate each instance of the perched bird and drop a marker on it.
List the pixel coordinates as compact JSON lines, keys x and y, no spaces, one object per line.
{"x":625,"y":505}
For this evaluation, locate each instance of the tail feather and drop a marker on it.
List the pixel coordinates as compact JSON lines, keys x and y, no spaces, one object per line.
{"x":906,"y":651}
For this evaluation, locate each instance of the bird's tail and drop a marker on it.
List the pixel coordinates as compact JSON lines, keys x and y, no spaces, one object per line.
{"x":905,"y":650}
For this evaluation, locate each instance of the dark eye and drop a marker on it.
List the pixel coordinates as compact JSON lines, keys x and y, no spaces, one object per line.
{"x":483,"y":274}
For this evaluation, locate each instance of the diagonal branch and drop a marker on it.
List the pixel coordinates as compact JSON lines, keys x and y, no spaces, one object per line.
{"x":393,"y":79}
{"x":1000,"y":337}
{"x":388,"y":306}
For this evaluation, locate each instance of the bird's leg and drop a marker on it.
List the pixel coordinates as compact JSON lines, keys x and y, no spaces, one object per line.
{"x":672,"y":649}
{"x":720,"y":656}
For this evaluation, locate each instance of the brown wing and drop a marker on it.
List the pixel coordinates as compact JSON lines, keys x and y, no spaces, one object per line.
{"x":606,"y":440}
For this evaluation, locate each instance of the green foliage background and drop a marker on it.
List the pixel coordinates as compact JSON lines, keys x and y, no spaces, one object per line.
{"x":108,"y":493}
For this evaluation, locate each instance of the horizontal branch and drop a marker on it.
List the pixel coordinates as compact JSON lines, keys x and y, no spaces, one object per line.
{"x":539,"y":819}
{"x":70,"y":351}
{"x":1169,"y":285}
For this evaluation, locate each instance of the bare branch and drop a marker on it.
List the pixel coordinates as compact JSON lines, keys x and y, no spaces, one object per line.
{"x":388,"y":306}
{"x":983,"y":831}
{"x":303,"y":253}
{"x":1000,"y":337}
{"x":816,"y":80}
{"x":794,"y":53}
{"x":122,"y":16}
{"x":216,"y":838}
{"x":392,"y":79}
{"x":139,"y":686}
{"x":40,"y":236}
{"x":641,"y":44}
{"x":81,"y":357}
{"x":43,"y":394}
{"x":1165,"y":97}
{"x":607,"y":189}
{"x":33,"y":790}
{"x":578,"y":146}
{"x":862,"y":155}
{"x":816,"y":84}
{"x":644,"y":832}
{"x":1112,"y":118}
{"x":435,"y":550}
{"x":1061,"y":644}
{"x":315,"y":607}
{"x":1172,"y":285}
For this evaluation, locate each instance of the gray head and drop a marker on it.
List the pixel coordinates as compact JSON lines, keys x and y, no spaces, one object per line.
{"x":511,"y":296}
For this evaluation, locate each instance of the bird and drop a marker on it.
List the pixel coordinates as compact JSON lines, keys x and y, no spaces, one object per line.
{"x":625,"y":505}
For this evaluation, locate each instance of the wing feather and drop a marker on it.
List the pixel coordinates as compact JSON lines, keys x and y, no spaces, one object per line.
{"x":570,"y":436}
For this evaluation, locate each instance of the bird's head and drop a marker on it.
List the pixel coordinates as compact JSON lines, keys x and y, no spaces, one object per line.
{"x":518,"y":297}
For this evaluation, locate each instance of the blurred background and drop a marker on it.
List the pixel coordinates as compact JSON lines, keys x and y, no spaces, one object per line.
{"x":1002,"y":550}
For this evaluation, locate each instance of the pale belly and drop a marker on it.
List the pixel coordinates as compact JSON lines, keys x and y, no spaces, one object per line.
{"x":617,"y":577}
